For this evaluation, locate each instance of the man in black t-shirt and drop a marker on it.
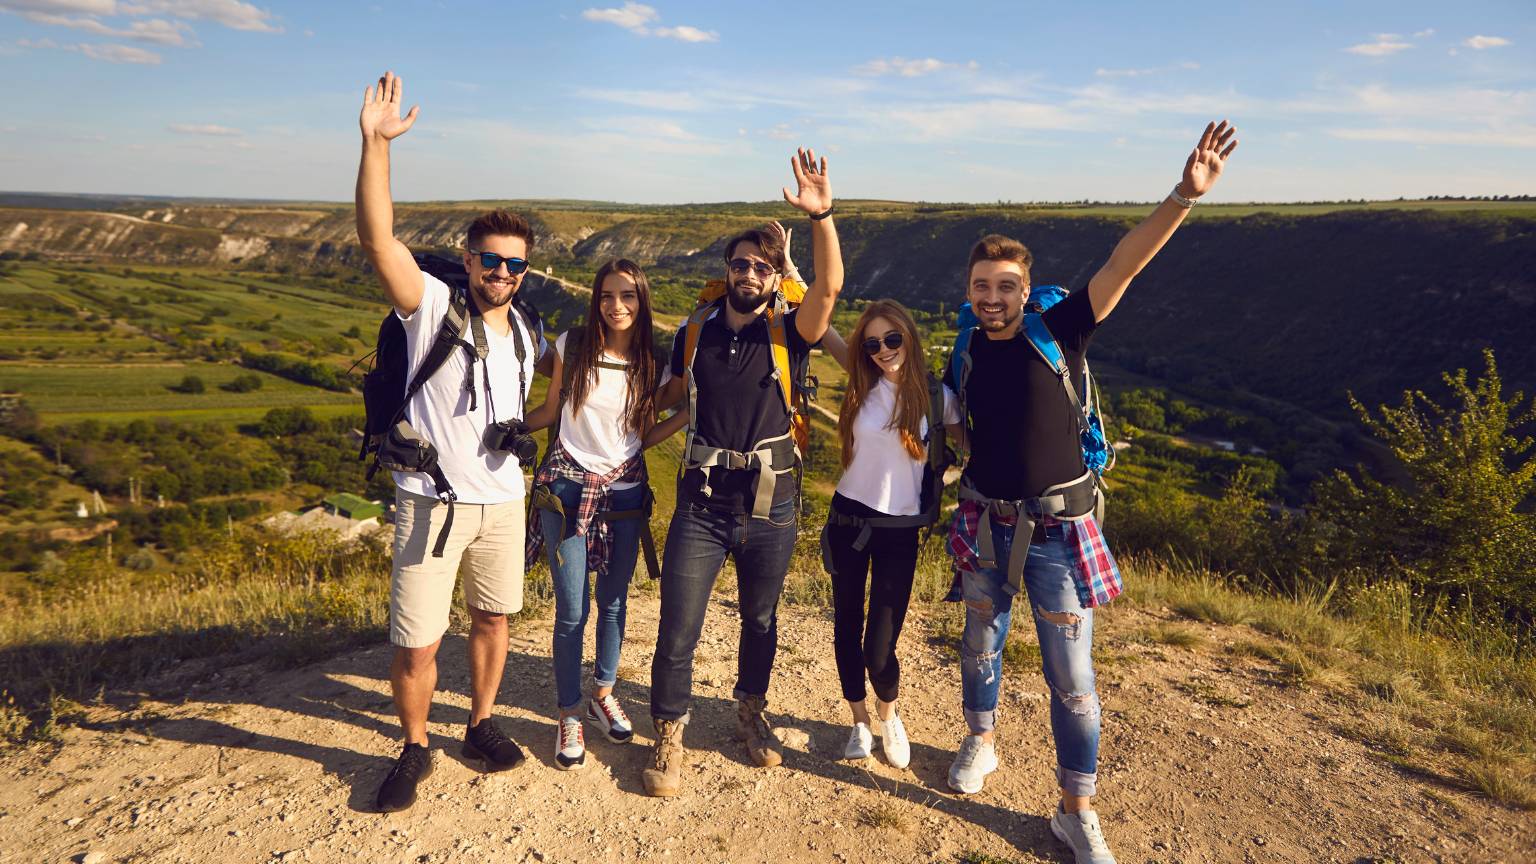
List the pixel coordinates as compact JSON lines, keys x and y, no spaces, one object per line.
{"x":1027,"y":469}
{"x":736,"y":494}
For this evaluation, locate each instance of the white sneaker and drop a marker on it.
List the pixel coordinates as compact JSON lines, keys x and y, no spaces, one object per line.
{"x":609,"y":717}
{"x":893,"y":741}
{"x":570,"y":744}
{"x":976,"y":759}
{"x":1081,"y":832}
{"x":860,"y":742}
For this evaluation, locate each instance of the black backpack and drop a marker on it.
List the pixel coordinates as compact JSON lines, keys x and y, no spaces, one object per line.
{"x":387,"y":434}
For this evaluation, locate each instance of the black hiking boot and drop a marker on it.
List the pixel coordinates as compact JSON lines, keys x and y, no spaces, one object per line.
{"x":398,"y":791}
{"x":484,"y":741}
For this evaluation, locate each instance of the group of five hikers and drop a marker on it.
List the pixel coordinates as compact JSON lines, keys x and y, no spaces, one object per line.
{"x":730,"y":382}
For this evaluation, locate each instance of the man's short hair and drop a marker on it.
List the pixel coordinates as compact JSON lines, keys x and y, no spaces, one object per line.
{"x":996,"y":247}
{"x":499,"y":223}
{"x":767,"y":241}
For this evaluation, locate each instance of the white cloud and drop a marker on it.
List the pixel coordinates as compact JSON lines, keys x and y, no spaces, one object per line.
{"x":231,"y":13}
{"x":633,"y":16}
{"x":659,"y":100}
{"x":204,"y":129}
{"x":1142,"y":73}
{"x":1426,"y":32}
{"x":684,"y":33}
{"x":638,"y":19}
{"x":1386,"y":44}
{"x":1478,"y":43}
{"x":968,"y":119}
{"x":155,"y":30}
{"x":907,"y":68}
{"x":1522,"y":137}
{"x":234,"y":14}
{"x":116,"y":53}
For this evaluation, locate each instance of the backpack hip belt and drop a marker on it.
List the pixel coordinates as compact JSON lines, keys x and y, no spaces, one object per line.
{"x":769,"y":457}
{"x":1070,"y":501}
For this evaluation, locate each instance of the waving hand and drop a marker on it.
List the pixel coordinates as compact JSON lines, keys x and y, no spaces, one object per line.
{"x":1207,"y":159}
{"x":381,"y":110}
{"x":815,"y":189}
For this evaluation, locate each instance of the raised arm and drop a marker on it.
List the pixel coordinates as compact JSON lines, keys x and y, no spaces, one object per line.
{"x":814,"y":197}
{"x":1137,"y":248}
{"x":381,"y":123}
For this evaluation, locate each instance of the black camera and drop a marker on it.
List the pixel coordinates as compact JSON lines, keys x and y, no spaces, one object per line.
{"x":512,"y":436}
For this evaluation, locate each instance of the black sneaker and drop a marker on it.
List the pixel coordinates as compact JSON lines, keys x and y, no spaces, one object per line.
{"x":398,"y":791}
{"x":484,"y":741}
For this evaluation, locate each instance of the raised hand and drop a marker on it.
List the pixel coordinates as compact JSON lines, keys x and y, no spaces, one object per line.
{"x":783,"y":234}
{"x":815,"y":190}
{"x":381,"y":110}
{"x":1207,"y":159}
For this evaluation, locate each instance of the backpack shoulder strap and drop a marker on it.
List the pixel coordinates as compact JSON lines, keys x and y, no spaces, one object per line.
{"x":450,"y":336}
{"x":1039,"y":336}
{"x":779,"y":345}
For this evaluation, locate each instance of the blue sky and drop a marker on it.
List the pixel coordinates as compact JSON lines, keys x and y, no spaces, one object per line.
{"x":691,"y":101}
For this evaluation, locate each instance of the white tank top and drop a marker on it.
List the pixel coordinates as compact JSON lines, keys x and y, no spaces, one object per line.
{"x":597,"y":436}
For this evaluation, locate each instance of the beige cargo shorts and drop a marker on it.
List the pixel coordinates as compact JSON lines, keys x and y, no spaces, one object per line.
{"x":485,"y":546}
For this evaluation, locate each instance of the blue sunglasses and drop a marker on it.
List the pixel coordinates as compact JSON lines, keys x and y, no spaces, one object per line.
{"x":491,"y":261}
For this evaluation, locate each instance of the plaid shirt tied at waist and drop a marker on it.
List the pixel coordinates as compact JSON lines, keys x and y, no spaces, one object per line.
{"x":596,"y":498}
{"x":1098,"y":577}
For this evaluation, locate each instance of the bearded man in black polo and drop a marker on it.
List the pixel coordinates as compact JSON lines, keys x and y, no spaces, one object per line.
{"x":736,"y":494}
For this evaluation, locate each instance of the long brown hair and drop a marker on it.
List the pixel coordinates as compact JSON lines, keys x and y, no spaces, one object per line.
{"x":911,"y":384}
{"x":640,"y":377}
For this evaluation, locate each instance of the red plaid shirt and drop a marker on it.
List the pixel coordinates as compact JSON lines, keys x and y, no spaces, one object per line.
{"x":1098,"y":577}
{"x":596,"y":497}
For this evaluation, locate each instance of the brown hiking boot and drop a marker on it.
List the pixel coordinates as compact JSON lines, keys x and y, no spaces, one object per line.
{"x":764,"y":749}
{"x":664,"y":777}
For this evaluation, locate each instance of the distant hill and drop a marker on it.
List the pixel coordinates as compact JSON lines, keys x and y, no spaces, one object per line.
{"x":1298,"y":304}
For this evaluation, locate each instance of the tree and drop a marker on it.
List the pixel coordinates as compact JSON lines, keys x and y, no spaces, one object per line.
{"x":1460,"y":529}
{"x":190,"y":384}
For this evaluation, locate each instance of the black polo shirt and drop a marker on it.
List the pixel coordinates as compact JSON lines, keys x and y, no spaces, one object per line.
{"x":1024,"y":430}
{"x":739,"y":403}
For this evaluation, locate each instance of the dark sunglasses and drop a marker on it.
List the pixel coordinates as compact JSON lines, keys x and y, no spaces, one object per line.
{"x":491,"y":261}
{"x":872,"y":345}
{"x":740,"y":266}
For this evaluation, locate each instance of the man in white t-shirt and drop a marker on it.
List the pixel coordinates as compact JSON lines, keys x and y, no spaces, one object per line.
{"x":452,"y":410}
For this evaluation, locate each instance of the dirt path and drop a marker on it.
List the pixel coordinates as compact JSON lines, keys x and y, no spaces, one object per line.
{"x":1204,"y":759}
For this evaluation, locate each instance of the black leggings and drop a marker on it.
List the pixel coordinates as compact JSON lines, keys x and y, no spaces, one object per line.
{"x":889,"y":559}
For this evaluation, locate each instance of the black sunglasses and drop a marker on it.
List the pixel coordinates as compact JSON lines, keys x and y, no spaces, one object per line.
{"x":491,"y":261}
{"x":740,"y":266}
{"x":872,"y":345}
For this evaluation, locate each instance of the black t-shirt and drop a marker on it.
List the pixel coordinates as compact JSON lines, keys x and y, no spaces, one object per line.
{"x":1024,"y":430}
{"x":740,"y":403}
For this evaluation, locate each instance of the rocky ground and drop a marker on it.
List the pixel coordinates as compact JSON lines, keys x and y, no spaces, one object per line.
{"x":1206,"y":757}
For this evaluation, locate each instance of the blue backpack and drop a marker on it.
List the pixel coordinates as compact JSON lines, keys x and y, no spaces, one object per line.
{"x":1098,"y":456}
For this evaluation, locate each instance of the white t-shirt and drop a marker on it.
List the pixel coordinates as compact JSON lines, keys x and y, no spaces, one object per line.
{"x":440,"y":409}
{"x":882,"y":475}
{"x":598,"y":437}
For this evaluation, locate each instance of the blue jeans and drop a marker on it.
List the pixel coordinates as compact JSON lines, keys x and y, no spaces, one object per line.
{"x":568,"y":570}
{"x":698,"y":540}
{"x":1065,"y":651}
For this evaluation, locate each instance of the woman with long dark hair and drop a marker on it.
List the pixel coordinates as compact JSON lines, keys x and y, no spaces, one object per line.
{"x":871,"y":536}
{"x":602,"y":395}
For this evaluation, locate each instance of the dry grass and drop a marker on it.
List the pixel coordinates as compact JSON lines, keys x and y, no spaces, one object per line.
{"x":1172,"y":634}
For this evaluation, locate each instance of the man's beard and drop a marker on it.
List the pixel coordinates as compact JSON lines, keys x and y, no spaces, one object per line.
{"x":482,"y":292}
{"x":997,"y":326}
{"x":747,"y":304}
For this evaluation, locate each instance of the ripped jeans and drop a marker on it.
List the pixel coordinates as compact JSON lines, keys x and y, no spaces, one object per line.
{"x":1065,"y":651}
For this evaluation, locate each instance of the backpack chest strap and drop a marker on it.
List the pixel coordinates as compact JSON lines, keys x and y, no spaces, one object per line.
{"x":769,"y":458}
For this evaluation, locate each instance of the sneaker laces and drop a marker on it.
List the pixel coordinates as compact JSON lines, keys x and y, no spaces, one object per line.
{"x":1094,"y":835}
{"x":970,"y":748}
{"x":610,"y":705}
{"x":488,"y":736}
{"x":570,"y":727}
{"x":663,"y":752}
{"x":412,"y":760}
